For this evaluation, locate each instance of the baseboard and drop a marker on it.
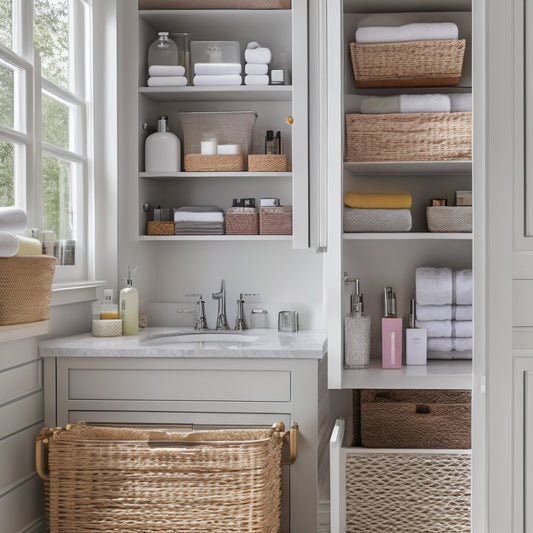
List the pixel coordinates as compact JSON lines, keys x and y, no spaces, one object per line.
{"x":37,"y":526}
{"x":323,"y":517}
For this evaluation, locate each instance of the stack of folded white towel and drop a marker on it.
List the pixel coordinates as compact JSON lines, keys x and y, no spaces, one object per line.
{"x":257,"y":59}
{"x":12,"y":241}
{"x":166,"y":76}
{"x":417,"y":103}
{"x":199,"y":220}
{"x":217,"y":74}
{"x":444,"y":310}
{"x":417,"y":31}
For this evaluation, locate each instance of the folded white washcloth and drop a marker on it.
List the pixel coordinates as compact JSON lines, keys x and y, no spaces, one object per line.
{"x":258,"y":55}
{"x":446,"y":328}
{"x":9,"y":244}
{"x":217,"y":68}
{"x":462,"y":312}
{"x":256,"y":79}
{"x":12,"y":219}
{"x":462,"y":287}
{"x":167,"y":81}
{"x":462,"y":328}
{"x":443,"y":312}
{"x":166,"y":70}
{"x":222,"y":79}
{"x":448,"y":344}
{"x":256,"y":68}
{"x":406,"y":103}
{"x":449,"y":354}
{"x":434,"y":286}
{"x":460,"y":102}
{"x":418,"y":31}
{"x":188,"y":216}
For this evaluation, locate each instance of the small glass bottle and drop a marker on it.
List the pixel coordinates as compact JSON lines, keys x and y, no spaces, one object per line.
{"x":163,"y":51}
{"x":356,"y":331}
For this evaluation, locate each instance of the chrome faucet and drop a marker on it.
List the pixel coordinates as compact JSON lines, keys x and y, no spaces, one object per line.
{"x":222,"y":321}
{"x":200,"y":323}
{"x":240,"y":320}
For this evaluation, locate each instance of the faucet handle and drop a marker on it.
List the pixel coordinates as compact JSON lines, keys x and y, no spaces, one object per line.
{"x":201,"y":320}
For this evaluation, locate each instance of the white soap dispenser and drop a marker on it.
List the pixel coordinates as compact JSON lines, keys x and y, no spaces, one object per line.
{"x":416,"y":340}
{"x":129,"y":306}
{"x":356,"y":331}
{"x":162,"y":149}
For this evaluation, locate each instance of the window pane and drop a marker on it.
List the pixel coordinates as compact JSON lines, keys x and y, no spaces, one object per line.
{"x":55,"y":122}
{"x":7,"y":90}
{"x":7,"y":174}
{"x":51,"y":35}
{"x":6,"y":23}
{"x":58,"y":198}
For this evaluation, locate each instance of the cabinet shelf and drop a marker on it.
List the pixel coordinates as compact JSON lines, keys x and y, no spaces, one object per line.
{"x":215,"y":237}
{"x":441,"y":374}
{"x":401,"y":168}
{"x":221,"y":175}
{"x":407,"y":236}
{"x":238,"y":93}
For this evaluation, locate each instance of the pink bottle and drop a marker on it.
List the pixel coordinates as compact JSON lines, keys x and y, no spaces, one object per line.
{"x":391,"y":333}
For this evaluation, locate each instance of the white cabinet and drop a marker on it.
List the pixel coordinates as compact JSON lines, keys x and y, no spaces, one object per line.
{"x":283,"y":31}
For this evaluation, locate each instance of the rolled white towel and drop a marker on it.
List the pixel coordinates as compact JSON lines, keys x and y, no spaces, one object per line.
{"x":12,"y":219}
{"x":166,"y":70}
{"x":434,"y":286}
{"x":9,"y":244}
{"x":256,"y":68}
{"x":217,"y":68}
{"x":444,"y":344}
{"x":222,"y":79}
{"x":417,"y":31}
{"x":462,"y":287}
{"x":258,"y":55}
{"x":460,"y":102}
{"x":406,"y":103}
{"x":256,"y":79}
{"x":167,"y":81}
{"x":443,"y":312}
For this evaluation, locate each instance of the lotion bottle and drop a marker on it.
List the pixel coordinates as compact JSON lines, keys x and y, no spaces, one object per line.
{"x":356,"y":331}
{"x":162,"y":149}
{"x":129,"y":306}
{"x":416,"y":340}
{"x":391,"y":333}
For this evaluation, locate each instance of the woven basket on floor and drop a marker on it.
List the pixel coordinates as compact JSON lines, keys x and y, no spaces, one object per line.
{"x":409,"y":137}
{"x":415,"y":419}
{"x":408,"y":64}
{"x":130,"y":480}
{"x":408,"y":492}
{"x":441,"y":218}
{"x":25,"y":288}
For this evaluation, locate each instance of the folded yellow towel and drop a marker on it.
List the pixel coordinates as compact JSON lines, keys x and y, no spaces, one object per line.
{"x":378,"y":200}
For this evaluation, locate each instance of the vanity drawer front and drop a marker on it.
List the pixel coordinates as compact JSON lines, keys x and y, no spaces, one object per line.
{"x":173,"y":384}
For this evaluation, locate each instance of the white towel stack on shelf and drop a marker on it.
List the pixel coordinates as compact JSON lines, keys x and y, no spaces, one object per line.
{"x":199,"y":220}
{"x":257,"y":59}
{"x":444,"y":310}
{"x":166,"y":76}
{"x":217,"y":74}
{"x":416,"y":103}
{"x":12,"y":241}
{"x":416,"y":31}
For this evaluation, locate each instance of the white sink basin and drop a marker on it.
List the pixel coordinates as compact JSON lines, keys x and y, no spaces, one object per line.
{"x":201,"y":336}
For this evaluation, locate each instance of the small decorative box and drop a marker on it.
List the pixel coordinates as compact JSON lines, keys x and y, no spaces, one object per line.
{"x":160,"y":227}
{"x":107,"y":328}
{"x":276,"y":220}
{"x":453,"y":219}
{"x":268,"y":163}
{"x":242,"y":221}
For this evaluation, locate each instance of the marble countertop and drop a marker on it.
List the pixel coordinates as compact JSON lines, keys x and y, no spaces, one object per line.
{"x":170,"y":342}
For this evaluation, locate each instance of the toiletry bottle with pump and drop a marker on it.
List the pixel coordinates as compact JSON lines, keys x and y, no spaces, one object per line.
{"x":416,"y":340}
{"x":356,"y":331}
{"x":108,"y":310}
{"x":129,"y":306}
{"x":162,"y":149}
{"x":163,"y":51}
{"x":391,"y":333}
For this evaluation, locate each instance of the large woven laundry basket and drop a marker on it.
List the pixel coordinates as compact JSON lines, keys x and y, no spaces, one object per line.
{"x":152,"y":480}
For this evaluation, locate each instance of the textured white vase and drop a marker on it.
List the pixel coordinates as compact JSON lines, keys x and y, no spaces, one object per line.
{"x":356,"y":341}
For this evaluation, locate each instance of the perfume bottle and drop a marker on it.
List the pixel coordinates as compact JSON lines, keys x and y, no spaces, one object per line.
{"x":416,"y":339}
{"x":356,"y":330}
{"x":391,"y":333}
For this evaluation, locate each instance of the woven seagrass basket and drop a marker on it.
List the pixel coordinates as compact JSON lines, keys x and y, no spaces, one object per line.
{"x":129,"y":480}
{"x":242,"y":221}
{"x":267,"y":163}
{"x":408,"y":64}
{"x":275,"y":220}
{"x":160,"y":227}
{"x":213,"y":163}
{"x":25,"y":288}
{"x":409,"y":137}
{"x":449,"y":218}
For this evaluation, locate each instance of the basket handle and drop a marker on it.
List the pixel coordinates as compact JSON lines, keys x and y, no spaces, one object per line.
{"x":291,"y":437}
{"x":40,"y":460}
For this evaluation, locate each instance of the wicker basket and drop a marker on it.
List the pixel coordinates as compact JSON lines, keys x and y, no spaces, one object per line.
{"x":415,"y":419}
{"x":242,"y":221}
{"x":160,"y":227}
{"x":276,"y":220}
{"x":129,"y":480}
{"x":449,"y":218}
{"x":408,"y":64}
{"x":25,"y":288}
{"x":407,"y":491}
{"x":409,"y":137}
{"x":268,"y":163}
{"x":213,"y":163}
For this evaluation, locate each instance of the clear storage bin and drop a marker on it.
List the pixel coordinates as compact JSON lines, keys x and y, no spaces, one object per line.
{"x":215,"y":52}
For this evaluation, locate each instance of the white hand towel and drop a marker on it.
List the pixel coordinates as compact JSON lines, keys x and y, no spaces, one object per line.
{"x":460,"y":102}
{"x":12,"y":219}
{"x":444,"y":344}
{"x":166,"y":70}
{"x":418,"y":31}
{"x":187,"y":216}
{"x":222,"y":79}
{"x":462,"y":312}
{"x":462,"y":328}
{"x":406,"y":103}
{"x":256,"y":68}
{"x":258,"y":55}
{"x":462,"y":287}
{"x":167,"y":81}
{"x":256,"y":79}
{"x":443,"y":312}
{"x":9,"y":244}
{"x":449,"y":354}
{"x":434,"y":286}
{"x":217,"y":68}
{"x":436,"y":328}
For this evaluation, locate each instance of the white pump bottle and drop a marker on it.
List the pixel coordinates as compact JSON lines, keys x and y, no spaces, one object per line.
{"x":129,"y":306}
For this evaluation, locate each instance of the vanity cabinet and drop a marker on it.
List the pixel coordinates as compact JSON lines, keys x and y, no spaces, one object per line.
{"x":281,"y":108}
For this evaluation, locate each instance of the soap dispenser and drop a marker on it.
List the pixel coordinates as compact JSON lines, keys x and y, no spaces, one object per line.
{"x":416,"y":339}
{"x":356,"y":330}
{"x":129,"y":306}
{"x":162,"y":149}
{"x":391,"y":333}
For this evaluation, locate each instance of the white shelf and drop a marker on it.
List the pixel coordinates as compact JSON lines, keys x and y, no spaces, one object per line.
{"x":441,"y":374}
{"x":215,"y":237}
{"x":409,"y":168}
{"x":239,"y":93}
{"x":221,"y":175}
{"x":407,"y":236}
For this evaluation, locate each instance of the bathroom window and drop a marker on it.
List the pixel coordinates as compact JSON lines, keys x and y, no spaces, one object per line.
{"x":44,"y":121}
